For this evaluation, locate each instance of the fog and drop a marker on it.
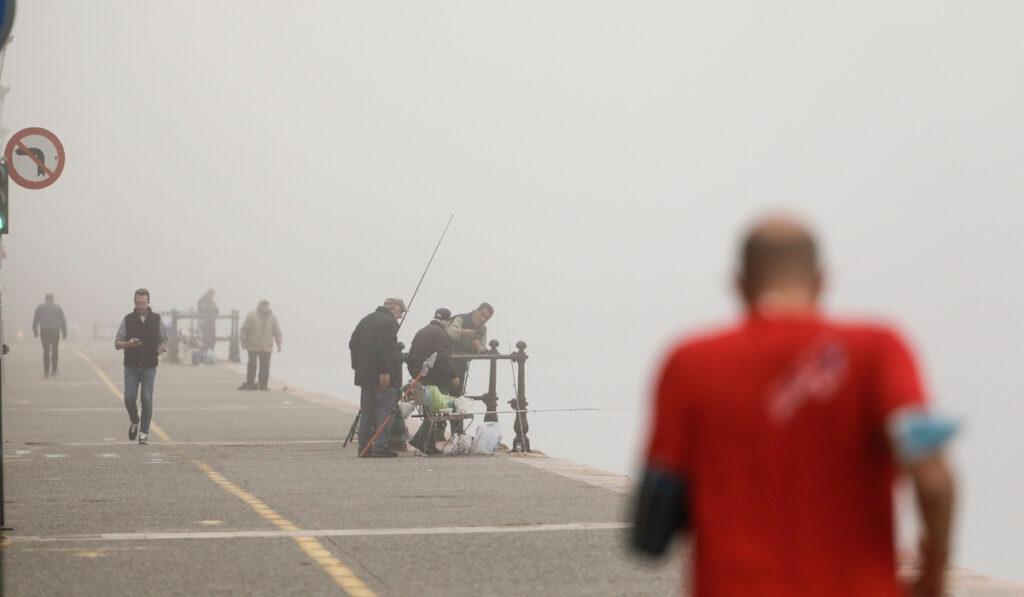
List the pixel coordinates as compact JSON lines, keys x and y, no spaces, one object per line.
{"x":600,"y":160}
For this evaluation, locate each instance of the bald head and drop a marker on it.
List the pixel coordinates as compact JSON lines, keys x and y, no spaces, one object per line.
{"x":779,"y":256}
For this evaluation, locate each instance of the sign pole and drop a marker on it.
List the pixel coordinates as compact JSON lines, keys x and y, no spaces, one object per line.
{"x":3,"y":381}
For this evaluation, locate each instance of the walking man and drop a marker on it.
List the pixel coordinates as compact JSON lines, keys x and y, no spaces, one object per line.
{"x":49,"y":326}
{"x":775,"y":442}
{"x":143,"y":339}
{"x":374,"y":351}
{"x":258,"y":334}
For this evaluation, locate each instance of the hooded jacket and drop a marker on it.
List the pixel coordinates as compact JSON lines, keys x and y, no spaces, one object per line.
{"x":259,"y":332}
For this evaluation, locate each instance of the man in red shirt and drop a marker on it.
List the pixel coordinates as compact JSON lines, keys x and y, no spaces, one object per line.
{"x":776,"y":443}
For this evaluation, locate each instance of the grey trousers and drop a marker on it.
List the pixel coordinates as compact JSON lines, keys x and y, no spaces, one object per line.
{"x":375,"y":405}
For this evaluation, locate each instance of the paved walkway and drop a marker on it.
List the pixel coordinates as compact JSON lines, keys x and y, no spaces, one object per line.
{"x":251,"y":493}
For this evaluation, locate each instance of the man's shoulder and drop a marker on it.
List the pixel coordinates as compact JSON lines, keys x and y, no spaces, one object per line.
{"x":709,"y":339}
{"x":872,"y":332}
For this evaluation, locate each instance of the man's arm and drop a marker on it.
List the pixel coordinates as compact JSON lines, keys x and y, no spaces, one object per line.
{"x":277,"y":333}
{"x":119,"y":339}
{"x":162,"y":346}
{"x":480,"y":340}
{"x":934,"y":487}
{"x":63,"y":322}
{"x":35,"y":322}
{"x":387,"y":347}
{"x":243,"y":332}
{"x":455,"y":329}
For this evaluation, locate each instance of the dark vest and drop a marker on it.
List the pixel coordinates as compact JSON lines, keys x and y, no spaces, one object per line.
{"x":465,"y":345}
{"x":149,"y":332}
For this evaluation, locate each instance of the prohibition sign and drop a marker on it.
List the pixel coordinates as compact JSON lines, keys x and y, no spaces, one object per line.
{"x":35,"y":158}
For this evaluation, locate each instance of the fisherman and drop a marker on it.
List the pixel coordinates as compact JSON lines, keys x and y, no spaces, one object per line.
{"x":432,"y":338}
{"x":469,"y":336}
{"x":49,"y":326}
{"x":208,"y":311}
{"x":258,"y":334}
{"x":378,"y":373}
{"x":775,"y":441}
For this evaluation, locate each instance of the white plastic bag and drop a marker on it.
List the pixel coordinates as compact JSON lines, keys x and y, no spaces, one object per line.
{"x":486,"y":439}
{"x":460,"y":445}
{"x":463,"y":404}
{"x":405,"y":409}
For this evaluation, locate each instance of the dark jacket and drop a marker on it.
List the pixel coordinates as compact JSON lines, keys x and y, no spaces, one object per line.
{"x":374,"y":347}
{"x":49,"y":316}
{"x":432,"y":338}
{"x":149,"y":332}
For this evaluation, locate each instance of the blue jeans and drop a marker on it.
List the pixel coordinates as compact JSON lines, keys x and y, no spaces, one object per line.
{"x":375,"y":405}
{"x":133,"y":378}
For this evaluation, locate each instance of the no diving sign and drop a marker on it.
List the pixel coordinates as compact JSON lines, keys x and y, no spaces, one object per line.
{"x":35,"y":158}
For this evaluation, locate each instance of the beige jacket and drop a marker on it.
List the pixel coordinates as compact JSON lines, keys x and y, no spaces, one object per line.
{"x":259,"y":332}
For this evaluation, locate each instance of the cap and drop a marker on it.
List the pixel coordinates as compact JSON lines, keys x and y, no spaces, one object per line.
{"x":443,"y":314}
{"x":395,"y":301}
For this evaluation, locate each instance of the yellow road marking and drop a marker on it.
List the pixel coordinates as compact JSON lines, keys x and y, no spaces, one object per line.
{"x":342,"y":574}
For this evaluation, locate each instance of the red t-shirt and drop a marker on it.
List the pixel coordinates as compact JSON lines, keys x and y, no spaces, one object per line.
{"x":780,"y":425}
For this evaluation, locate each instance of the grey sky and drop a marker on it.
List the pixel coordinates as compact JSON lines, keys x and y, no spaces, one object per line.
{"x":600,"y":159}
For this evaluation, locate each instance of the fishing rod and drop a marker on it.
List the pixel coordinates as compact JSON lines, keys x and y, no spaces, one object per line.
{"x":355,"y":422}
{"x":431,"y":260}
{"x":548,"y":410}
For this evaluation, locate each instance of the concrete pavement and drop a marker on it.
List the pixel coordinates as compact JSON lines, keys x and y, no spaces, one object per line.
{"x":252,"y":493}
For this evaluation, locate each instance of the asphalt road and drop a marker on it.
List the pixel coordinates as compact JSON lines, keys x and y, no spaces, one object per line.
{"x":251,"y":493}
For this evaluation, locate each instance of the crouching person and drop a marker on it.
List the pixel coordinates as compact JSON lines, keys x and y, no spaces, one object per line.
{"x":433,"y":338}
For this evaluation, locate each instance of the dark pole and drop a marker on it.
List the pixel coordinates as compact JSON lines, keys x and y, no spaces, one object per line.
{"x":234,"y":354}
{"x":491,"y":399}
{"x":521,"y":426}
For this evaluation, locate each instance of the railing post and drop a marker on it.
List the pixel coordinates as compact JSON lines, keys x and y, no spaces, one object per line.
{"x":521,"y":443}
{"x":234,"y":353}
{"x":172,"y":340}
{"x":490,"y":399}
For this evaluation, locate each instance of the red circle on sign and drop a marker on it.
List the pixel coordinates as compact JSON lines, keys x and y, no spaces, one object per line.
{"x":16,"y":143}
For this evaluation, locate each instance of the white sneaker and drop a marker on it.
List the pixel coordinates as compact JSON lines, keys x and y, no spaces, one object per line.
{"x":143,"y":438}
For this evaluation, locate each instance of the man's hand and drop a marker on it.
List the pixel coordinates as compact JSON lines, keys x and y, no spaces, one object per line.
{"x":35,"y":333}
{"x":456,"y":382}
{"x":278,"y":347}
{"x":160,"y":351}
{"x":385,"y":381}
{"x":467,"y":333}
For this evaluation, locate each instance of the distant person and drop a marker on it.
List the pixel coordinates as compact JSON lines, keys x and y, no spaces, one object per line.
{"x":378,"y":373}
{"x":49,"y":326}
{"x":258,"y":334}
{"x":143,"y":339}
{"x":430,"y":339}
{"x":469,"y":336}
{"x":208,"y":311}
{"x":774,"y":443}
